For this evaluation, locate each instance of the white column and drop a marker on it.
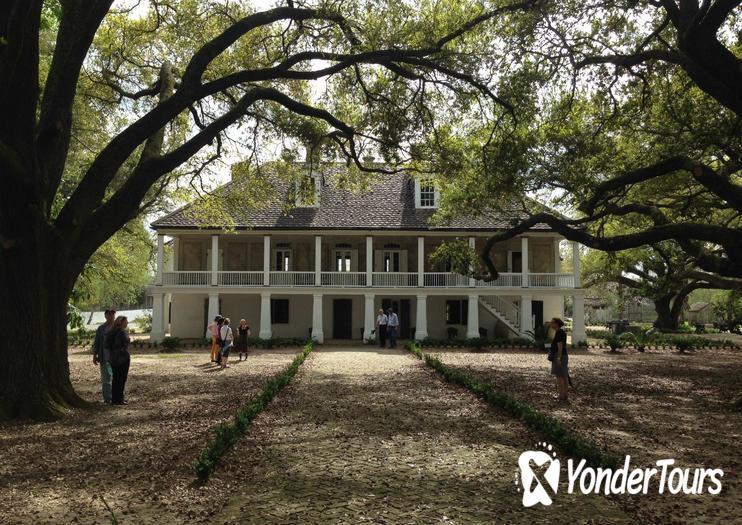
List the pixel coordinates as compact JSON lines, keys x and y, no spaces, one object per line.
{"x":557,"y":257}
{"x":472,"y":325}
{"x":160,"y":258}
{"x":421,"y":318}
{"x":318,"y":333}
{"x":524,"y":260}
{"x":158,"y":317}
{"x":576,"y":263}
{"x":266,"y":260}
{"x":578,"y":318}
{"x":214,"y":260}
{"x":318,"y":260}
{"x":265,"y":316}
{"x":368,"y":317}
{"x":213,"y":309}
{"x":526,"y":314}
{"x":369,"y":259}
{"x":472,"y":281}
{"x":420,"y":261}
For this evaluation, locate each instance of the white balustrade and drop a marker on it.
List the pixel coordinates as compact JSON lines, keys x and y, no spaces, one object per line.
{"x":292,"y":279}
{"x":507,"y":306}
{"x":394,"y":279}
{"x":551,"y":280}
{"x":503,"y":280}
{"x":186,"y":278}
{"x":241,"y":278}
{"x":445,"y":280}
{"x":343,"y":279}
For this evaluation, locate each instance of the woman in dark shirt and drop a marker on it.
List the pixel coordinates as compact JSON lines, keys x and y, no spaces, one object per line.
{"x":243,"y":332}
{"x":559,"y":357}
{"x":117,"y":342}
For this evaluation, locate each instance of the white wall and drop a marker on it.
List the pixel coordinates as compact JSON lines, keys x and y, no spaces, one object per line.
{"x":187,"y":315}
{"x":242,"y":306}
{"x":300,"y":316}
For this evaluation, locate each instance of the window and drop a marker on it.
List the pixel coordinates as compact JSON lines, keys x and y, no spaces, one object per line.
{"x":279,"y":311}
{"x":343,"y":260}
{"x":282,"y":260}
{"x":457,"y":311}
{"x":515,"y":262}
{"x":426,"y":194}
{"x":390,"y":261}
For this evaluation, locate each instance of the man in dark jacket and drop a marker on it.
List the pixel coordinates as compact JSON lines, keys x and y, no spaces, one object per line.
{"x":99,"y":355}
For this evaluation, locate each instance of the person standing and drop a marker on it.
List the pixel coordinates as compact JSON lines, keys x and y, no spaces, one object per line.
{"x":117,"y":344}
{"x":213,"y":329}
{"x":100,"y":357}
{"x":381,"y":321}
{"x":243,"y":332}
{"x":227,"y":338}
{"x":559,"y":358}
{"x":392,"y":327}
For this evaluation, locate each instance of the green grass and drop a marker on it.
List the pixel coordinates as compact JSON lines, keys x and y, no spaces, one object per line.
{"x":545,"y":425}
{"x":227,"y":434}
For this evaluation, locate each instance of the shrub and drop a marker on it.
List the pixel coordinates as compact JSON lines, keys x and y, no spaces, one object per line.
{"x":170,"y":344}
{"x":615,"y":342}
{"x":227,"y":434}
{"x":144,"y":323}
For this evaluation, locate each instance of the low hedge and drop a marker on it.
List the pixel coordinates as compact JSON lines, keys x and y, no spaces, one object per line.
{"x":227,"y":434}
{"x":682,"y":342}
{"x":547,"y":426}
{"x":476,"y":342}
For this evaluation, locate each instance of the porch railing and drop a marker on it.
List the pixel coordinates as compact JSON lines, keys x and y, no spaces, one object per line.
{"x":445,"y":280}
{"x":503,"y":280}
{"x":394,"y":279}
{"x":186,"y":278}
{"x":551,"y":280}
{"x":343,"y":279}
{"x":241,"y":278}
{"x":292,"y":278}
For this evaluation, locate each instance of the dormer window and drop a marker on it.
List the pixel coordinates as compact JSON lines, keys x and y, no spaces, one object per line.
{"x":307,"y":192}
{"x":426,"y":194}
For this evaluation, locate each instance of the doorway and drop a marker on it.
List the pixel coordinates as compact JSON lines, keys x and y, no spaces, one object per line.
{"x":402,"y":309}
{"x":537,"y":311}
{"x":342,"y":319}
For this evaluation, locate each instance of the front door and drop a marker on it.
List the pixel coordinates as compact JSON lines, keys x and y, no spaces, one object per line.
{"x":537,"y":311}
{"x":402,"y":308}
{"x":342,"y":318}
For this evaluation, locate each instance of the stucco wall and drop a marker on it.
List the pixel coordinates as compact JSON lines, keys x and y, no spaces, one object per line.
{"x":187,"y":315}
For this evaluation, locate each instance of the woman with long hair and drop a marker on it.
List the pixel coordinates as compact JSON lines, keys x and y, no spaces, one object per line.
{"x":117,"y":344}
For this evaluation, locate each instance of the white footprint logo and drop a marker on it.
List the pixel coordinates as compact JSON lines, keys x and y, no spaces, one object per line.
{"x":538,"y":474}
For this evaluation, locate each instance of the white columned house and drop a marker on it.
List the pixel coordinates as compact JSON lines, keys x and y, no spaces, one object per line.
{"x":214,"y":260}
{"x":369,"y":317}
{"x":318,"y":333}
{"x":266,"y":260}
{"x":326,"y":268}
{"x":472,"y":326}
{"x":421,"y":320}
{"x":160,"y":259}
{"x":369,"y":260}
{"x":578,"y":299}
{"x":266,"y":331}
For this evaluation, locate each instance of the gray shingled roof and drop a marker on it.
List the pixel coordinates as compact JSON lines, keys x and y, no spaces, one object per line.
{"x":389,"y":205}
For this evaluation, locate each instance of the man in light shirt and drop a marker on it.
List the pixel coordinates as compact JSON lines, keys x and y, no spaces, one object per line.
{"x":381,"y":321}
{"x":392,"y":328}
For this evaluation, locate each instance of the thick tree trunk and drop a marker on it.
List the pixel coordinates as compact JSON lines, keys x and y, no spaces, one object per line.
{"x":667,"y":318}
{"x":34,"y":377}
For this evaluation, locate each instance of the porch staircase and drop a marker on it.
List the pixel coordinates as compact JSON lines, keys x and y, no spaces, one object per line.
{"x":504,"y":308}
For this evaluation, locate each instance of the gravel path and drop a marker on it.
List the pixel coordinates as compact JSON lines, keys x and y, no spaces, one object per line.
{"x":373,"y":436}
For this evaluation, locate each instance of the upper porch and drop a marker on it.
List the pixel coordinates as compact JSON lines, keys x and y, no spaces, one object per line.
{"x":252,"y":259}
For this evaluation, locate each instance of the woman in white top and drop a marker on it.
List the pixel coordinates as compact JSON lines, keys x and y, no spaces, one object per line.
{"x":381,"y":321}
{"x":227,"y":337}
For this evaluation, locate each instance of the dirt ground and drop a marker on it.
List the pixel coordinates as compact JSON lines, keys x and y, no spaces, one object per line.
{"x":652,"y":405}
{"x":369,"y":436}
{"x":137,"y":458}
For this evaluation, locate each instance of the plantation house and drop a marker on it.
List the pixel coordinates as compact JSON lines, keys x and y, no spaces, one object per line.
{"x":324,"y":268}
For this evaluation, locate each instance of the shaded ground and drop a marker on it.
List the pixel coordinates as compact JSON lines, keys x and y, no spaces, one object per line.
{"x":652,"y":406}
{"x":137,"y":457}
{"x":371,"y":436}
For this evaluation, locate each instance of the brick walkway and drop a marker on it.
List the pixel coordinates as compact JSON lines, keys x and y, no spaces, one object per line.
{"x":374,"y":436}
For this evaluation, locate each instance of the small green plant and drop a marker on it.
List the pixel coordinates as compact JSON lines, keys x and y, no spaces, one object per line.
{"x":684,"y":343}
{"x":170,"y":344}
{"x":539,"y":336}
{"x":640,"y":339}
{"x":615,"y":342}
